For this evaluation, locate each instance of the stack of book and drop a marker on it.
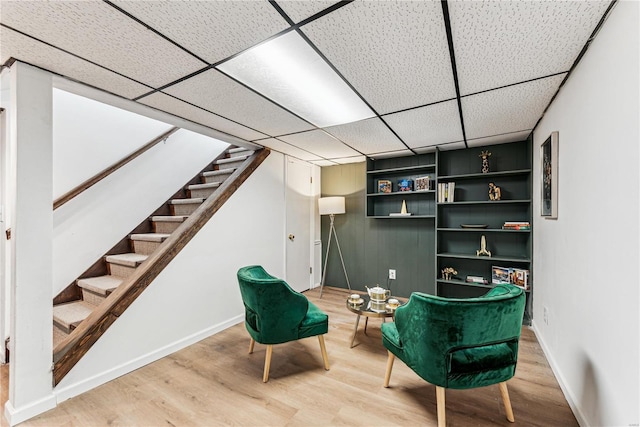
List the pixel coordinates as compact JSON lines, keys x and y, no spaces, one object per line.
{"x":516,"y":225}
{"x":446,"y":191}
{"x":477,"y":279}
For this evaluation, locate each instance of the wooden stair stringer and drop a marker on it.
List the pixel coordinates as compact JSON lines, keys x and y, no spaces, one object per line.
{"x":71,"y":349}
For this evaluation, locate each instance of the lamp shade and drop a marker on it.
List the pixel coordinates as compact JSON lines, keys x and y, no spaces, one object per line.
{"x":331,"y":205}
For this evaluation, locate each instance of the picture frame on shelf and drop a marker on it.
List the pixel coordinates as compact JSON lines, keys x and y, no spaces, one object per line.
{"x":422,"y":183}
{"x":405,"y":185}
{"x":549,"y":177}
{"x":384,"y":186}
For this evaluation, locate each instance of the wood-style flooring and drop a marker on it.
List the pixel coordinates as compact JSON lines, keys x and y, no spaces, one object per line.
{"x":217,"y":383}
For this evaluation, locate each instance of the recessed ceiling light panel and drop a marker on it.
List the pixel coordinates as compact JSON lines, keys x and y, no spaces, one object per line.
{"x":291,"y":73}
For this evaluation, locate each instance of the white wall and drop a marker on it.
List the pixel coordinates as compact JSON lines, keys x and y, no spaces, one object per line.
{"x":586,"y":261}
{"x":92,"y":223}
{"x":197,"y":294}
{"x":89,"y":136}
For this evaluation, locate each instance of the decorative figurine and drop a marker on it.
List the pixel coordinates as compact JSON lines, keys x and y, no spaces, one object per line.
{"x":403,"y":210}
{"x":483,"y":247}
{"x":494,"y":192}
{"x":448,"y":272}
{"x":485,"y":160}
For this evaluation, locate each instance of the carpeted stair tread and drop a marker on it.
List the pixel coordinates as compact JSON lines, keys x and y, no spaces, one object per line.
{"x":169,"y":218}
{"x":71,"y":313}
{"x":230,"y":160}
{"x":227,"y":171}
{"x":100,"y":285}
{"x":129,"y":260}
{"x":202,"y":186}
{"x":186,"y":201}
{"x":240,"y":152}
{"x":150,"y":237}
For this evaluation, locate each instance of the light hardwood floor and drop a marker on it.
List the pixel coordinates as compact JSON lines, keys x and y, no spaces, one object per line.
{"x":216,"y":382}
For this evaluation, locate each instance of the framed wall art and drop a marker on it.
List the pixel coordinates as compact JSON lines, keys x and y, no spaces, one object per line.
{"x":549,"y":177}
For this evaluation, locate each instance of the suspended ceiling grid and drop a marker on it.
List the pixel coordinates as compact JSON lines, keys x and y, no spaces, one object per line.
{"x":448,"y":74}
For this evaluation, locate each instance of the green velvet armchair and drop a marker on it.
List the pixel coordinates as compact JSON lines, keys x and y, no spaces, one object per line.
{"x":275,"y":313}
{"x":458,"y":343}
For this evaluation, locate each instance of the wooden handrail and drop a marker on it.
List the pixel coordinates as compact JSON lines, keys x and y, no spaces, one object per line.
{"x":111,"y":169}
{"x":70,"y":350}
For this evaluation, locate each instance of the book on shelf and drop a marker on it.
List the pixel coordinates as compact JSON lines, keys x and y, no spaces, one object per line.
{"x":400,"y":214}
{"x":422,"y":183}
{"x":516,"y":225}
{"x":405,"y":185}
{"x":446,"y":191}
{"x":384,"y":186}
{"x":510,"y":276}
{"x":477,"y":279}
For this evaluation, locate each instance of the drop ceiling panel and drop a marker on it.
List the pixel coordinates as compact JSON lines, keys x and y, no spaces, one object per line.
{"x":394,"y":53}
{"x":499,"y":139}
{"x":98,"y":32}
{"x":179,"y":108}
{"x":213,"y":30}
{"x":217,"y":93}
{"x":324,"y":163}
{"x":369,"y":136}
{"x":428,"y":126}
{"x":301,"y":10}
{"x":511,"y":109}
{"x":320,"y":143}
{"x":347,"y":160}
{"x":504,"y":42}
{"x":288,"y":149}
{"x":392,"y":154}
{"x":36,"y":53}
{"x":452,"y":146}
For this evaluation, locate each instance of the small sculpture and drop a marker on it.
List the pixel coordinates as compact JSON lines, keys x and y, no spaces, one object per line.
{"x":403,"y":210}
{"x":494,"y":192}
{"x":483,"y":247}
{"x":448,"y":272}
{"x":485,"y":160}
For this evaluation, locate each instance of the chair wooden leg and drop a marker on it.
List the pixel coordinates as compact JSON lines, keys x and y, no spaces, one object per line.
{"x":325,"y":358}
{"x":442,"y":417}
{"x":507,"y":402}
{"x":387,"y":375}
{"x":267,"y":363}
{"x":251,"y":345}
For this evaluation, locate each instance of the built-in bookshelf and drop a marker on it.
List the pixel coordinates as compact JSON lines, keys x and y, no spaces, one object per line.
{"x":482,"y":232}
{"x":392,"y":181}
{"x":484,"y":241}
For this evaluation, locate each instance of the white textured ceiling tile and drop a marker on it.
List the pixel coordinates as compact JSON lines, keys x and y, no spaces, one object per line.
{"x":389,"y":154}
{"x":453,"y":146}
{"x":422,"y":150}
{"x":511,"y":109}
{"x":320,"y":143}
{"x":217,"y":93}
{"x":288,"y":149}
{"x":213,"y":30}
{"x":499,"y":139}
{"x":27,"y":50}
{"x":174,"y":106}
{"x":394,"y":53}
{"x":504,"y":42}
{"x":97,"y":32}
{"x":323,"y":163}
{"x":347,"y":160}
{"x":431,"y":125}
{"x":299,"y":10}
{"x":367,"y":136}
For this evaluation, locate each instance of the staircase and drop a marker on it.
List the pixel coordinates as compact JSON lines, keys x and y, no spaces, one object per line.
{"x":95,"y":290}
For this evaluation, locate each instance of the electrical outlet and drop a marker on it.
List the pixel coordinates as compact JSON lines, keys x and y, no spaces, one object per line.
{"x":545,"y":315}
{"x":392,"y":274}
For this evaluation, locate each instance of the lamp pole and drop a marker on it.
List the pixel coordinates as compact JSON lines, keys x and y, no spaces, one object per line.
{"x":332,"y":231}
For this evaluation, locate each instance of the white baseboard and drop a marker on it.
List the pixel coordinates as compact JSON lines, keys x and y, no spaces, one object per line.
{"x":571,"y":400}
{"x":72,"y":390}
{"x":17,"y":415}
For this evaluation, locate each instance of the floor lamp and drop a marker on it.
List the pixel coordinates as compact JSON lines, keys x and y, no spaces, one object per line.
{"x":332,"y":206}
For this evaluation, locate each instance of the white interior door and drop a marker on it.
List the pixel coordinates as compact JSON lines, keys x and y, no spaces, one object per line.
{"x":298,"y":224}
{"x":4,"y":296}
